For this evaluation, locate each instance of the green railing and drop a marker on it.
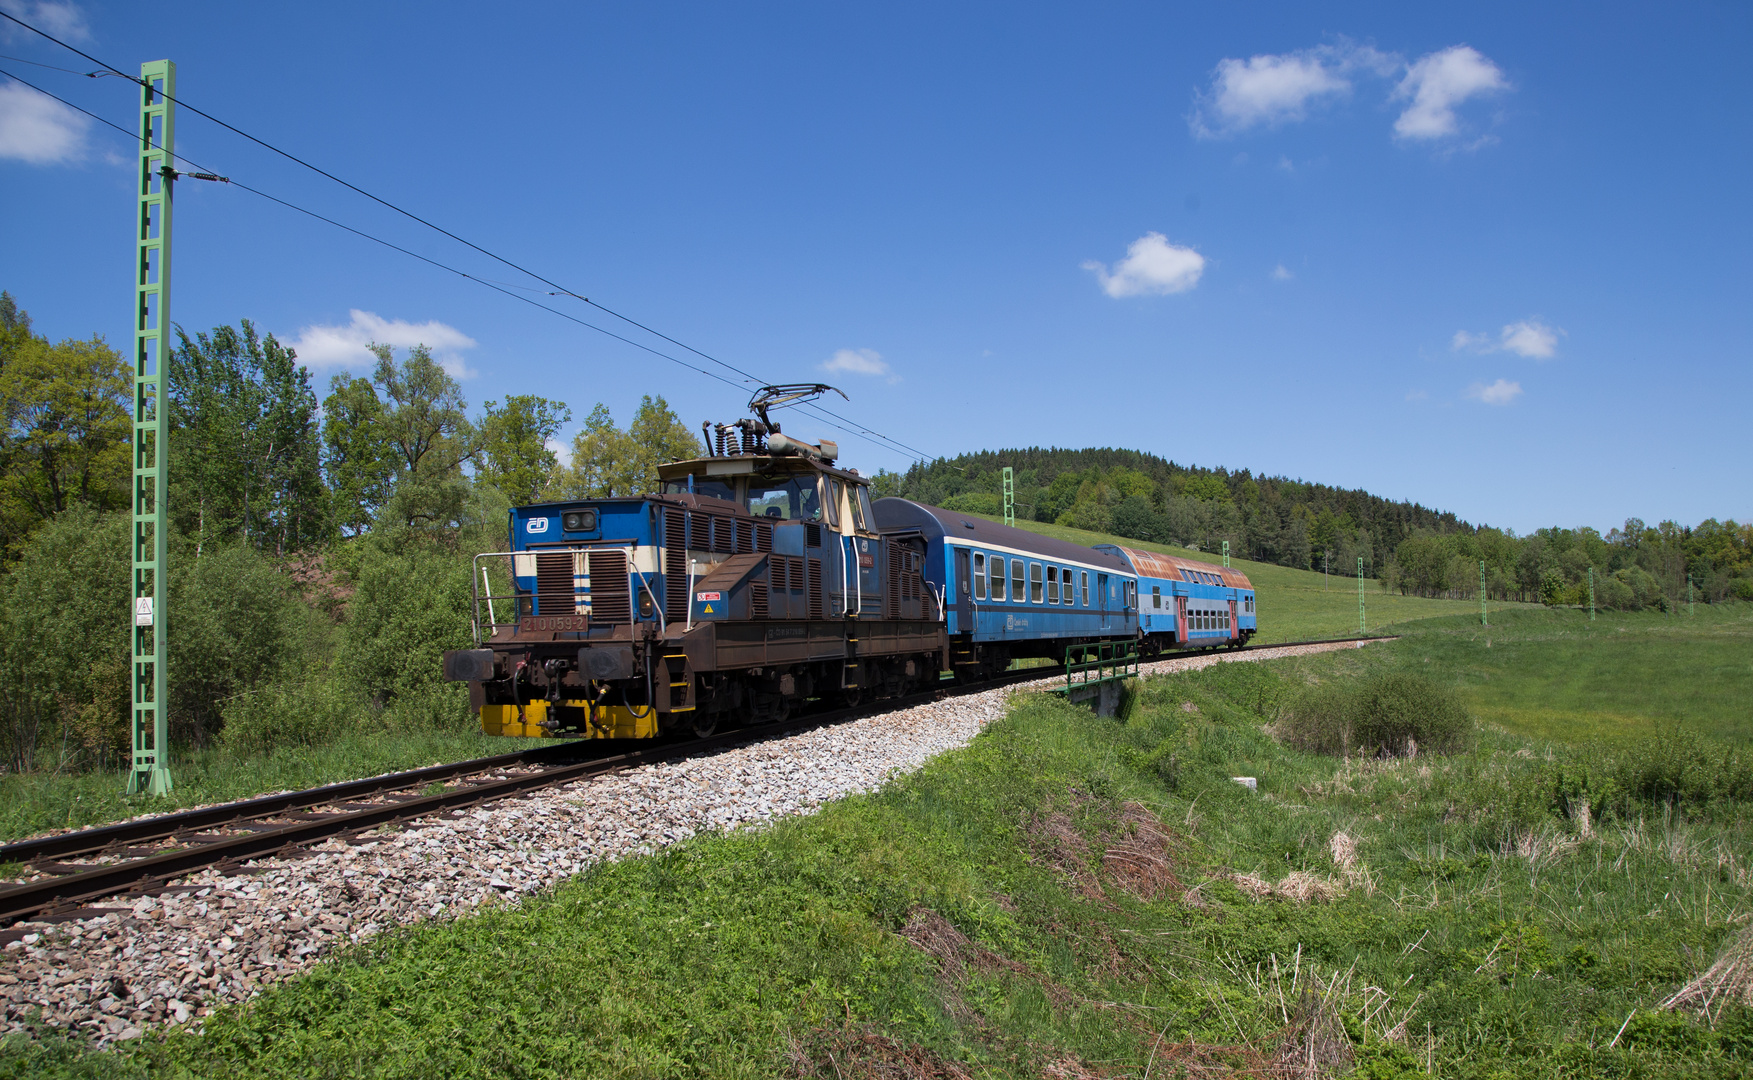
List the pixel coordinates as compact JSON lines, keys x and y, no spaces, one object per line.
{"x":1105,"y":661}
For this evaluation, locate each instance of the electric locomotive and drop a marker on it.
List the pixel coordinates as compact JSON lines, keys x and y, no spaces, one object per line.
{"x":754,"y":580}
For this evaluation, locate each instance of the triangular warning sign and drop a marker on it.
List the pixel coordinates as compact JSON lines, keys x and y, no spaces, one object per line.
{"x":707,"y":609}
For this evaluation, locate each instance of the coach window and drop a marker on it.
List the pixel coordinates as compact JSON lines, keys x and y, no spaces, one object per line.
{"x":1052,"y":584}
{"x":997,"y":577}
{"x":1156,"y":596}
{"x":1017,"y":591}
{"x":1069,"y":595}
{"x":1086,"y":588}
{"x":1034,"y":583}
{"x":979,"y":576}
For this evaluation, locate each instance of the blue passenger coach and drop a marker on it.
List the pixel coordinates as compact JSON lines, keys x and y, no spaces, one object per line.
{"x":1184,"y":604}
{"x":1009,"y":593}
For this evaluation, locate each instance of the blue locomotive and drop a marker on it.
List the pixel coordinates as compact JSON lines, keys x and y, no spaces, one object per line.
{"x":762,"y":577}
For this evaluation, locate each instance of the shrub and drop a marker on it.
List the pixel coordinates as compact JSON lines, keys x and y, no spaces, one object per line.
{"x":975,"y":502}
{"x":310,"y":712}
{"x":408,"y":608}
{"x":1386,"y":715}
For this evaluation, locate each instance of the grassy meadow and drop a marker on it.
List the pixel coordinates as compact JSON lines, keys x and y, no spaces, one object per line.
{"x":1074,"y":896}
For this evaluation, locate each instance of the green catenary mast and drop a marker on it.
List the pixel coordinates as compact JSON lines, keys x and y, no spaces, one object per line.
{"x":1360,"y":623}
{"x":1009,"y":497}
{"x":150,"y":773}
{"x":1483,"y":621}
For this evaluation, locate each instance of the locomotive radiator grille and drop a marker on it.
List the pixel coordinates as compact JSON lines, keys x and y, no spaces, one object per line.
{"x":892,"y":595}
{"x":611,"y":594}
{"x":675,"y":566}
{"x":557,"y":584}
{"x":815,"y":577}
{"x":763,"y":536}
{"x":758,"y":594}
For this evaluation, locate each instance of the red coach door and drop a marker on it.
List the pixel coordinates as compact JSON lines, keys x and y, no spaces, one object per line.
{"x":1181,"y":619}
{"x":1234,"y":631}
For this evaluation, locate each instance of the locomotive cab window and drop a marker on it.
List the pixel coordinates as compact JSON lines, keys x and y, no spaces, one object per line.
{"x":1052,"y":584}
{"x":862,"y":518}
{"x":979,"y":576}
{"x":1017,"y":589}
{"x":718,"y":489}
{"x":1034,"y":583}
{"x":787,"y":498}
{"x":997,"y":576}
{"x":836,"y":492}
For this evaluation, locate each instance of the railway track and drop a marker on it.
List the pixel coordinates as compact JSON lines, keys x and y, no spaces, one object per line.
{"x":145,"y":856}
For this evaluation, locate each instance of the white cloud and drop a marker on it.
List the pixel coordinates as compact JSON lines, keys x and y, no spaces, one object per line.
{"x":1151,"y":265}
{"x":57,"y":17}
{"x":1439,"y":82}
{"x":562,"y":452}
{"x":345,"y":346}
{"x":37,"y":129}
{"x":1528,"y":337}
{"x":1501,"y":392}
{"x":860,"y":362}
{"x":1279,"y":273}
{"x":1275,"y":89}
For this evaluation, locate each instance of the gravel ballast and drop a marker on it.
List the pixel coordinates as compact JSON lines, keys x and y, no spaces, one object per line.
{"x":172,"y":959}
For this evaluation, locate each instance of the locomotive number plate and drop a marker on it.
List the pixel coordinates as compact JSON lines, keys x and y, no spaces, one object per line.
{"x":551,"y":624}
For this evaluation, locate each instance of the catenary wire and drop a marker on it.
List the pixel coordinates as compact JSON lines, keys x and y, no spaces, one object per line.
{"x":561,"y":289}
{"x":495,"y":286}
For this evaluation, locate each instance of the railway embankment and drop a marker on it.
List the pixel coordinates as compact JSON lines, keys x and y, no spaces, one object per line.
{"x":221,"y":937}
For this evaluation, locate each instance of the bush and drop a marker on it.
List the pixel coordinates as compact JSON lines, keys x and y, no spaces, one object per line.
{"x":975,"y":502}
{"x":1388,"y":715}
{"x":232,"y":622}
{"x":311,"y":712}
{"x":1681,"y":768}
{"x":408,"y":608}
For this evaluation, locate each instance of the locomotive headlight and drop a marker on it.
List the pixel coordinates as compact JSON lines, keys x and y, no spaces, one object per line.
{"x":579,"y":521}
{"x":645,"y":607}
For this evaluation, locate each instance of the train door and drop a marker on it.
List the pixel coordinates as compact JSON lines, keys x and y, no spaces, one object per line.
{"x":1102,"y":599}
{"x":1233,"y":625}
{"x":1181,"y":619}
{"x":964,"y":606}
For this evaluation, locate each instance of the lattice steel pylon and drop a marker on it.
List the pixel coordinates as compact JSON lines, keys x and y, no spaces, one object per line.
{"x":1226,"y":554}
{"x":1009,"y":497}
{"x":1483,"y":621}
{"x":150,"y":772}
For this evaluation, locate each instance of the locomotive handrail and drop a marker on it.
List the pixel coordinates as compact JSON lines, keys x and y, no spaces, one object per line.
{"x":475,"y":580}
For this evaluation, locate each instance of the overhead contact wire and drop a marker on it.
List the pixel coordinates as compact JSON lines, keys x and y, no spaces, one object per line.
{"x":562,"y":290}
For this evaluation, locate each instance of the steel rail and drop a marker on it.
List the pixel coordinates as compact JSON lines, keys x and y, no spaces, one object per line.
{"x":87,"y":841}
{"x":61,"y":894}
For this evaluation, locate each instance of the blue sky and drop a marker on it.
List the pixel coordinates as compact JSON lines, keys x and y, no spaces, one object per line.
{"x":1494,"y":259}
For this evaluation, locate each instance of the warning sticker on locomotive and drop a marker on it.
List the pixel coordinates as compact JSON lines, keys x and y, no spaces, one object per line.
{"x":553,"y":624}
{"x":706,"y":596}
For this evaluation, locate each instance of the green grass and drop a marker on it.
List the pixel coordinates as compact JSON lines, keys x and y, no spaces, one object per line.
{"x":1555,"y":675}
{"x":965,"y":914}
{"x":1295,"y":605}
{"x":35,"y":802}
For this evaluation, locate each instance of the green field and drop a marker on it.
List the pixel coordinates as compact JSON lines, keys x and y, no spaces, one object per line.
{"x":1295,"y":605}
{"x":1079,"y":896}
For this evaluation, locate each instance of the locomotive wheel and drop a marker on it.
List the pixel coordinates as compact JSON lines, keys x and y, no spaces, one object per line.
{"x":851,"y":696}
{"x":704,"y":723}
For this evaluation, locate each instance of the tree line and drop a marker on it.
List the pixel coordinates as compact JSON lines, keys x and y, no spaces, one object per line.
{"x":320,"y":548}
{"x":1408,"y":547}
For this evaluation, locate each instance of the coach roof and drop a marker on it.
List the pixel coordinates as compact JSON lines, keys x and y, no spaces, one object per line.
{"x":935,"y":523}
{"x":1155,"y":564}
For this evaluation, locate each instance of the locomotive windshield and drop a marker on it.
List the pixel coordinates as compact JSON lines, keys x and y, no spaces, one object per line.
{"x":717,"y":489}
{"x":788,"y":497}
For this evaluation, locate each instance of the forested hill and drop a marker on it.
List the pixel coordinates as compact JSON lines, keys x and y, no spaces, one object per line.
{"x":1139,"y":495}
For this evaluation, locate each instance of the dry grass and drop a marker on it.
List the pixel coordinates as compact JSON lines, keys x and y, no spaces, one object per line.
{"x":866,"y":1054}
{"x":1728,"y":981}
{"x":1139,"y":862}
